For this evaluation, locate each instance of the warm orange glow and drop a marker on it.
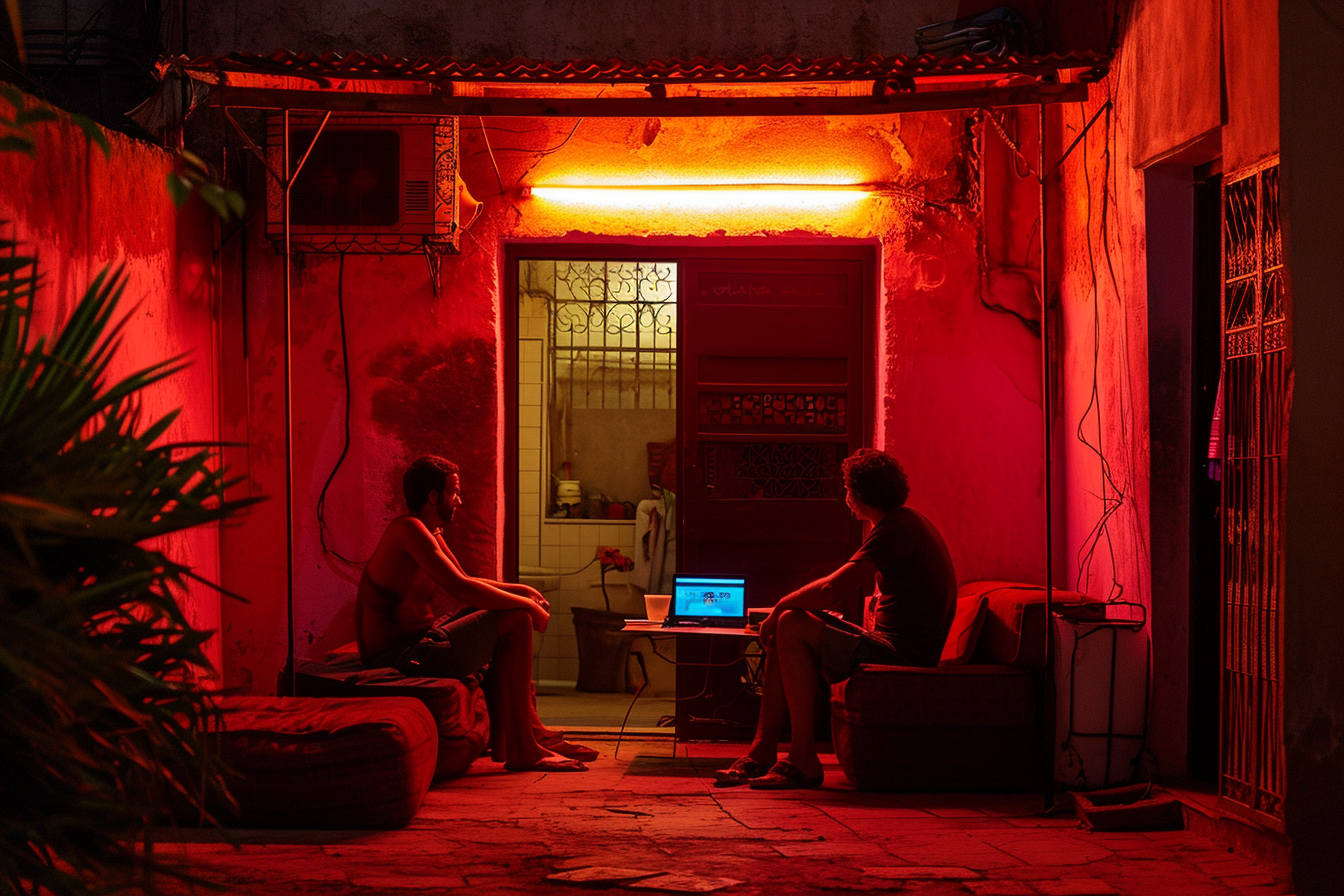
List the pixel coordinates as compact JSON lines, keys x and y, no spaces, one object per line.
{"x":696,"y":196}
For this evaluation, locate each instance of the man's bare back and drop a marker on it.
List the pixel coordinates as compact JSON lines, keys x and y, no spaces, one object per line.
{"x":393,"y":603}
{"x":395,"y":624}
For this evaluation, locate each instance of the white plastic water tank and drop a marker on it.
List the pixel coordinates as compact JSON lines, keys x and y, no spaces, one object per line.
{"x":1102,"y":682}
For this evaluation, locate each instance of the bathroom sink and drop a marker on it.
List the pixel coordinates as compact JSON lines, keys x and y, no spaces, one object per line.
{"x":539,"y":578}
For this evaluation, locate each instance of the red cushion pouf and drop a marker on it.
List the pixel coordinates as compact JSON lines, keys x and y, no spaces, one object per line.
{"x":458,"y":707}
{"x":327,"y":762}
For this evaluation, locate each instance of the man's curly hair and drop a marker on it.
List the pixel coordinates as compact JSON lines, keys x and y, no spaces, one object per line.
{"x":425,"y":474}
{"x":876,"y":479}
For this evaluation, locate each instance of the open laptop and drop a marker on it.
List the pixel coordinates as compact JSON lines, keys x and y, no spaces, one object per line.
{"x":712,"y":601}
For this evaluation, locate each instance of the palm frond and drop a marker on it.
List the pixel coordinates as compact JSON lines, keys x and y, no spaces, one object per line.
{"x":101,"y":726}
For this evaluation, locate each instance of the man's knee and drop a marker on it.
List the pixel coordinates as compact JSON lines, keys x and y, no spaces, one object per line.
{"x":514,"y":621}
{"x":797,"y":620}
{"x":799,"y":626}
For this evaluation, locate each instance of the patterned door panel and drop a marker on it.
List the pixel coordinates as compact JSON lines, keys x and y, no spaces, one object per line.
{"x":772,"y":396}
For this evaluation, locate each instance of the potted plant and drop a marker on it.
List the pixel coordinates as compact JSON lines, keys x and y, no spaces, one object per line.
{"x":603,"y":647}
{"x":102,"y":728}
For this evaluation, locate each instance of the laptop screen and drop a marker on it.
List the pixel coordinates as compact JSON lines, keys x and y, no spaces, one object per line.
{"x":709,"y":599}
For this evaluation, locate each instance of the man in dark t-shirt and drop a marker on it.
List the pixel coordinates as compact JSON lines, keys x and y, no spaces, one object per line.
{"x":906,"y":621}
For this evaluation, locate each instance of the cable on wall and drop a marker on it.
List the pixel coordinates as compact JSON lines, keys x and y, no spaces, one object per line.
{"x":1112,"y":494}
{"x":345,"y":448}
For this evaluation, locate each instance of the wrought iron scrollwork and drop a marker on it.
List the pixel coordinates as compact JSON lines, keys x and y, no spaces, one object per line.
{"x":614,"y":333}
{"x":792,"y":411}
{"x":773,"y":471}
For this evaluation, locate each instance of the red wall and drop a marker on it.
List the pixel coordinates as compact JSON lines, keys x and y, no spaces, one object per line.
{"x":1169,"y":111}
{"x":80,"y":212}
{"x":958,"y":398}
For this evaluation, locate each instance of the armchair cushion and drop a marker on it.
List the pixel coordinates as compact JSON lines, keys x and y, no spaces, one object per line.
{"x":965,"y":631}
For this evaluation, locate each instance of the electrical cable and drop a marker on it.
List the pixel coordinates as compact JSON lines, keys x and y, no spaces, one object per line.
{"x":1112,"y":495}
{"x":345,"y":448}
{"x":541,"y":152}
{"x":1012,"y":144}
{"x":499,"y":178}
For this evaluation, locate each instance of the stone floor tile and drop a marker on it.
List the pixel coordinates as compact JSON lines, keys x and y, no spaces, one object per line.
{"x":597,"y":875}
{"x":1000,"y":888}
{"x":951,"y":850}
{"x":922,"y":872}
{"x":1229,"y":867}
{"x":504,"y":833}
{"x":838,"y":849}
{"x":410,"y":882}
{"x":1037,"y":849}
{"x":1248,"y":880}
{"x":1042,"y":821}
{"x":1075,"y":886}
{"x":683,"y":883}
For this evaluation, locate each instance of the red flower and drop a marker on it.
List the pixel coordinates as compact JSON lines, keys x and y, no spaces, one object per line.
{"x":613,"y":559}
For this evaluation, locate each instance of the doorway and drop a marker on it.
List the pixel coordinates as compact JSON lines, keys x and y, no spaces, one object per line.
{"x":690,"y":407}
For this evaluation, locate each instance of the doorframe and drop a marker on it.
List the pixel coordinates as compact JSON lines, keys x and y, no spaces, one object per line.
{"x":866,"y":251}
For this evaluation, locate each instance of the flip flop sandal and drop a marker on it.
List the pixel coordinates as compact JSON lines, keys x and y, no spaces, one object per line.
{"x":743,"y":771}
{"x":787,"y":776}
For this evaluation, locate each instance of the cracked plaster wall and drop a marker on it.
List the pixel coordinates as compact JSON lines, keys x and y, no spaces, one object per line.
{"x":958,"y":401}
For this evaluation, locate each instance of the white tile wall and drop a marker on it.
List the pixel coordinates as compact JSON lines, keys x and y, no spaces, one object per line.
{"x":529,"y":394}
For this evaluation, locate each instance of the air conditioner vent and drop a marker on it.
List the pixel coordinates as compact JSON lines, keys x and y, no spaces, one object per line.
{"x":376,"y":184}
{"x":417,"y":196}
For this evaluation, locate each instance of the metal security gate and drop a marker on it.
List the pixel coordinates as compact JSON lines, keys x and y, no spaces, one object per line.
{"x":1254,"y":444}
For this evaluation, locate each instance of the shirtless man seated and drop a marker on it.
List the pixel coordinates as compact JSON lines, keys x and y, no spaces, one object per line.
{"x":396,"y":627}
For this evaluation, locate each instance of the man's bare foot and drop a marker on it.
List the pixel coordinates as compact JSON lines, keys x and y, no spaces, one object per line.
{"x":546,"y":735}
{"x":551,"y":763}
{"x":572,"y":751}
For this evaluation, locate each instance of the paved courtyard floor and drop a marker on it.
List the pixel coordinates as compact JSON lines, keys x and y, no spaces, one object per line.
{"x":662,"y":824}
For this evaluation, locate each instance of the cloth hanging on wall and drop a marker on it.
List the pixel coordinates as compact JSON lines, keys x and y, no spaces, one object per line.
{"x":655,"y":544}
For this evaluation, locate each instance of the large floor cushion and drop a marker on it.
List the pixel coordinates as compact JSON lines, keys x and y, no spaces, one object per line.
{"x":347,"y":762}
{"x":458,"y":707}
{"x":953,"y":728}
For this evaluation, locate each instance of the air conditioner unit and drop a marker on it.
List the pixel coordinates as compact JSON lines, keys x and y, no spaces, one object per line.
{"x":372,"y":184}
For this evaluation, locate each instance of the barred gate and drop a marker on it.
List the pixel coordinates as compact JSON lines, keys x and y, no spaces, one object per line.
{"x":1254,"y":388}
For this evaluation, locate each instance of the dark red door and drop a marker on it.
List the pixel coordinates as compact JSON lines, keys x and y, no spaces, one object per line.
{"x":772,"y":370}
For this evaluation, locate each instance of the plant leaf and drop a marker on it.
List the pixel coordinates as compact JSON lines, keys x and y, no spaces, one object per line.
{"x":93,"y":132}
{"x":213,"y":196}
{"x":101,"y":726}
{"x":236,"y":202}
{"x":34,"y":115}
{"x":178,"y":189}
{"x":12,"y":94}
{"x":17,"y":143}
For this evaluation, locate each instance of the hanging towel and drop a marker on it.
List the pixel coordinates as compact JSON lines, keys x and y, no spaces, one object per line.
{"x":655,"y":544}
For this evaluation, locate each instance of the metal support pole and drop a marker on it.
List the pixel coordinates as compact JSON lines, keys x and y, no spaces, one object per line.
{"x":289,"y":430}
{"x":285,"y":177}
{"x":1046,"y":377}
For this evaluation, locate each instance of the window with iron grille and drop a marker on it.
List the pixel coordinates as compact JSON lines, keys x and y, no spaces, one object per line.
{"x":613,"y":334}
{"x":597,"y":373}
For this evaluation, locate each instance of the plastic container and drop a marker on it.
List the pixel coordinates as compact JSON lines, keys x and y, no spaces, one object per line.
{"x":568,"y":493}
{"x":1102,"y":685}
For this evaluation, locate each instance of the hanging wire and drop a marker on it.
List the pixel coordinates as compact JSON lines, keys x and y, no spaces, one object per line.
{"x":345,"y":447}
